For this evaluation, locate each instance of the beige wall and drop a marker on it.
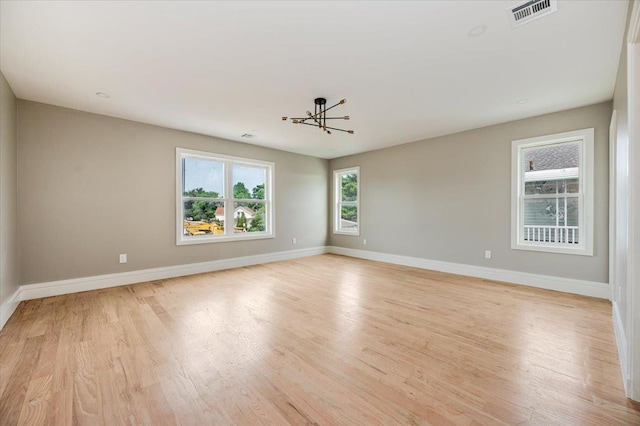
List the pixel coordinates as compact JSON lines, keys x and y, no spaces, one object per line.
{"x":454,"y":192}
{"x":93,"y":187}
{"x":9,"y":265}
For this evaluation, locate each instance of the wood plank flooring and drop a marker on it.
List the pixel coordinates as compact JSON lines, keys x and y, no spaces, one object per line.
{"x":322,"y":340}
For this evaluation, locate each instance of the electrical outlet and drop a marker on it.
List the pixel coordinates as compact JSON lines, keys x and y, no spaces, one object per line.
{"x":364,"y":242}
{"x":293,"y":241}
{"x":487,"y":254}
{"x":123,"y":258}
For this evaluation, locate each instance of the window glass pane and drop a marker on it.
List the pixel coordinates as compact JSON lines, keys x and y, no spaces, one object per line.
{"x":541,"y":187}
{"x":202,"y":178}
{"x":249,"y":217}
{"x":531,"y":188}
{"x":249,"y":182}
{"x":349,"y":186}
{"x":549,"y":170}
{"x":541,"y":211}
{"x":348,"y":218}
{"x":572,"y":211}
{"x":551,"y":220}
{"x":549,"y":187}
{"x":259,"y":221}
{"x":551,"y":157}
{"x":203,"y":218}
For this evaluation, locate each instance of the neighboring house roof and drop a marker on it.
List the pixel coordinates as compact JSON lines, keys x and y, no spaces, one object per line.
{"x":247,"y":211}
{"x":552,"y":157}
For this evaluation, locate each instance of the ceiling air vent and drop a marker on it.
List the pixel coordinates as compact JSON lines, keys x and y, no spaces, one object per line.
{"x":529,"y":10}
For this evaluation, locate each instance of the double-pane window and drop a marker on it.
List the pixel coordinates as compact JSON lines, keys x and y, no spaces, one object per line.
{"x":553,"y":193}
{"x":222,"y":198}
{"x":346,"y":201}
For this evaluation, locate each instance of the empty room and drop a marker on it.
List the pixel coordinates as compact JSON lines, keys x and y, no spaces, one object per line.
{"x":320,"y":212}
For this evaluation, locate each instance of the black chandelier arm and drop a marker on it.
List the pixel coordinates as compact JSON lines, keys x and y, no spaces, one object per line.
{"x":309,"y":124}
{"x":340,"y":130}
{"x":313,"y":116}
{"x":346,"y":117}
{"x":324,"y":128}
{"x":339,"y":103}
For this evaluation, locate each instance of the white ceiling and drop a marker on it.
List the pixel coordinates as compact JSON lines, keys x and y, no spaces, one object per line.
{"x":408,"y":70}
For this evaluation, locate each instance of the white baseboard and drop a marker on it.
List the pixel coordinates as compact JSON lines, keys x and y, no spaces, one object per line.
{"x":56,"y":288}
{"x":9,"y":307}
{"x":567,"y":285}
{"x":621,"y":342}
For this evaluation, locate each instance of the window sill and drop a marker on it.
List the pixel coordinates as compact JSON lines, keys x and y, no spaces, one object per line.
{"x":354,"y":234}
{"x":205,"y":239}
{"x":580,"y":250}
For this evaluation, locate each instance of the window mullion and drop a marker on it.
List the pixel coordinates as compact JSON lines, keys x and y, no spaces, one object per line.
{"x":228,"y":199}
{"x":521,"y":230}
{"x":207,"y":199}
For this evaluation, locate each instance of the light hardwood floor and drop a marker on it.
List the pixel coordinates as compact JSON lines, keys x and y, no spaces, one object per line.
{"x":320,"y":340}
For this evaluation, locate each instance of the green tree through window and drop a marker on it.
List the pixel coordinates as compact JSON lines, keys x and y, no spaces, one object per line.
{"x":346,"y":216}
{"x":350,"y":187}
{"x":200,"y":210}
{"x":240,"y":191}
{"x":349,"y":193}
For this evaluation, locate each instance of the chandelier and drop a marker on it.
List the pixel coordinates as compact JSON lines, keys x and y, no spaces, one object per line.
{"x":319,"y":117}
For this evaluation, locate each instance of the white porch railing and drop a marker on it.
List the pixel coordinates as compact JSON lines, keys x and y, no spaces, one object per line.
{"x":551,"y":234}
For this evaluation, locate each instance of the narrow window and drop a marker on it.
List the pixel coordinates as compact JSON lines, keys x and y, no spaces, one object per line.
{"x":346,"y":201}
{"x":221,"y":198}
{"x":552,"y":193}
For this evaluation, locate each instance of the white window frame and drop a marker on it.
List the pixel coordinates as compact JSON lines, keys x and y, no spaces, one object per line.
{"x":585,"y":138}
{"x":338,"y":203}
{"x":228,"y":199}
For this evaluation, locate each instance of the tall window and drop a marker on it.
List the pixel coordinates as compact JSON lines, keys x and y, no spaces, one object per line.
{"x":347,"y":205}
{"x":221,"y":198}
{"x":552,"y":193}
